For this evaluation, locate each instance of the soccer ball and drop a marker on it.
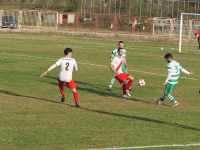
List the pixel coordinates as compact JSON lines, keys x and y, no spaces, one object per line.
{"x":141,"y":82}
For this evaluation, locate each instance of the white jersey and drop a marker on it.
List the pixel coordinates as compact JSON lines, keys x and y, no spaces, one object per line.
{"x":117,"y":63}
{"x":67,"y":65}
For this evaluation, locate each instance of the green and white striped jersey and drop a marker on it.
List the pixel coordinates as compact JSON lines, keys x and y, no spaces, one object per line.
{"x":115,"y":53}
{"x":174,"y":71}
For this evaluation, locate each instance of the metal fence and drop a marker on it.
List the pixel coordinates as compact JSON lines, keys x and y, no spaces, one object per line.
{"x":100,"y":23}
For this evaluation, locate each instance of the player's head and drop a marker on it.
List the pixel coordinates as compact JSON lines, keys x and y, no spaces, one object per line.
{"x":120,"y":51}
{"x":68,"y":51}
{"x":168,"y":57}
{"x":121,"y":44}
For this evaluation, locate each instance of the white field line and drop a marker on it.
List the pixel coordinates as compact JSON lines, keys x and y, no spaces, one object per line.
{"x":51,"y":59}
{"x":156,"y":146}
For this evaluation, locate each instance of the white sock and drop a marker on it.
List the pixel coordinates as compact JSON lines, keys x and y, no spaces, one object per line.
{"x":110,"y":86}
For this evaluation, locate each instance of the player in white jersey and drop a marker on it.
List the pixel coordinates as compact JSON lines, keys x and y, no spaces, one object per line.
{"x":124,"y":65}
{"x":174,"y":69}
{"x":116,"y":67}
{"x":67,"y":65}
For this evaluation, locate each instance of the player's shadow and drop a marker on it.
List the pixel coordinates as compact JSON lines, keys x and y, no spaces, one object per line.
{"x":14,"y":94}
{"x":139,"y":118}
{"x":96,"y":89}
{"x":107,"y":113}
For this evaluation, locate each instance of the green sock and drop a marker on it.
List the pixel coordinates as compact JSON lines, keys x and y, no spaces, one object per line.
{"x":171,"y":98}
{"x":112,"y":81}
{"x":164,"y":97}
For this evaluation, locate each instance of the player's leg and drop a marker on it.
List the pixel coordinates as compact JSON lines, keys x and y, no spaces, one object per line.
{"x":199,"y":43}
{"x":71,"y":85}
{"x":122,"y":79}
{"x":124,"y":70}
{"x":111,"y":84}
{"x":171,"y":98}
{"x":168,"y":89}
{"x":61,"y":90}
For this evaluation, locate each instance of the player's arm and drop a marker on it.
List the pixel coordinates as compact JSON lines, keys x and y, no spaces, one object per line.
{"x":112,"y":68}
{"x":52,"y":67}
{"x":185,"y":71}
{"x":75,"y":67}
{"x":125,"y":62}
{"x":169,"y":75}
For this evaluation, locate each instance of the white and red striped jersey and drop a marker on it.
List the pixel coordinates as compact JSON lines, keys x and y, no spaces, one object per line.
{"x":117,"y":64}
{"x":67,"y":65}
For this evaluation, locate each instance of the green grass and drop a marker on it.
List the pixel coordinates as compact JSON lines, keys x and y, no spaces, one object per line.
{"x":32,"y":116}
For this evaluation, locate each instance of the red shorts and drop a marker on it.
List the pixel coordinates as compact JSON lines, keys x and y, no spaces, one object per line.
{"x":122,"y":76}
{"x":70,"y":84}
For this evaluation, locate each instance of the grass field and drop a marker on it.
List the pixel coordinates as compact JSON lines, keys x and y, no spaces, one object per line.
{"x":32,"y":116}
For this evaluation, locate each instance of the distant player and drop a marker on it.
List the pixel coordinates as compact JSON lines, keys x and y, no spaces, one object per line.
{"x":173,"y":68}
{"x":67,"y":65}
{"x":124,"y":65}
{"x":198,"y":34}
{"x":116,"y":67}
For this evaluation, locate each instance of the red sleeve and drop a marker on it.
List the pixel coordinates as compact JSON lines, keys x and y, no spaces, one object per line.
{"x":198,"y":33}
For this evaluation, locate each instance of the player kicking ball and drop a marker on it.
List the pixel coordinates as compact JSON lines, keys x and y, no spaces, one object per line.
{"x":173,"y":68}
{"x":67,"y":65}
{"x":116,"y":67}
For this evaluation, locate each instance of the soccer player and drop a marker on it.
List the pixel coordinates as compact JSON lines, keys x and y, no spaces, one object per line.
{"x":116,"y":67}
{"x":173,"y":68}
{"x":124,"y":65}
{"x":67,"y":65}
{"x":198,"y":34}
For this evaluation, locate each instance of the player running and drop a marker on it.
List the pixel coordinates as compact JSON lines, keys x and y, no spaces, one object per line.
{"x":173,"y":68}
{"x":124,"y":64}
{"x":67,"y":65}
{"x":116,"y":67}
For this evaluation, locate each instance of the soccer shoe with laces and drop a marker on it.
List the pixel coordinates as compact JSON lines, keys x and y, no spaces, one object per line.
{"x":175,"y":104}
{"x":77,"y":105}
{"x":157,"y":101}
{"x":125,"y":96}
{"x":130,"y":89}
{"x":109,"y":88}
{"x":127,"y":93}
{"x":63,"y":98}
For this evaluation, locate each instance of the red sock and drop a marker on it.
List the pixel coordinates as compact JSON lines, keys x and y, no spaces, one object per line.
{"x":76,"y":97}
{"x":124,"y":88}
{"x":129,"y":84}
{"x":61,"y":87}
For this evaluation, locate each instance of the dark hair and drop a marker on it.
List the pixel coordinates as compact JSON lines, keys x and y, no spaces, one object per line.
{"x":119,"y":49}
{"x":67,"y":50}
{"x":168,"y":55}
{"x":121,"y":42}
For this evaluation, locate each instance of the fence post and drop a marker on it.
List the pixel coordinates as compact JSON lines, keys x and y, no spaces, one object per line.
{"x":96,"y":23}
{"x":115,"y":24}
{"x":39,"y":20}
{"x":152,"y":26}
{"x":134,"y":22}
{"x":190,"y":29}
{"x":171,"y":28}
{"x":20,"y":19}
{"x":77,"y":22}
{"x":1,"y":15}
{"x":58,"y":22}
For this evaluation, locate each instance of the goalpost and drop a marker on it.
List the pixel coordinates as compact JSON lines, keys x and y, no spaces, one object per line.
{"x":188,"y":27}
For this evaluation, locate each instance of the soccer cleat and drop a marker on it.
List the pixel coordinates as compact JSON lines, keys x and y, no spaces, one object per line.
{"x":63,"y":98}
{"x":110,"y":88}
{"x":125,"y":96}
{"x":127,"y":92}
{"x":157,"y":101}
{"x":175,"y":104}
{"x":130,"y":89}
{"x":77,"y":105}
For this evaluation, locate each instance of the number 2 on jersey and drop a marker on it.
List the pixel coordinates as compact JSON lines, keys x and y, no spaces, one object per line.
{"x":67,"y":65}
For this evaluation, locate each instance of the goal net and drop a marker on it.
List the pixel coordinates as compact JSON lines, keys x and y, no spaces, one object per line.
{"x":189,"y":25}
